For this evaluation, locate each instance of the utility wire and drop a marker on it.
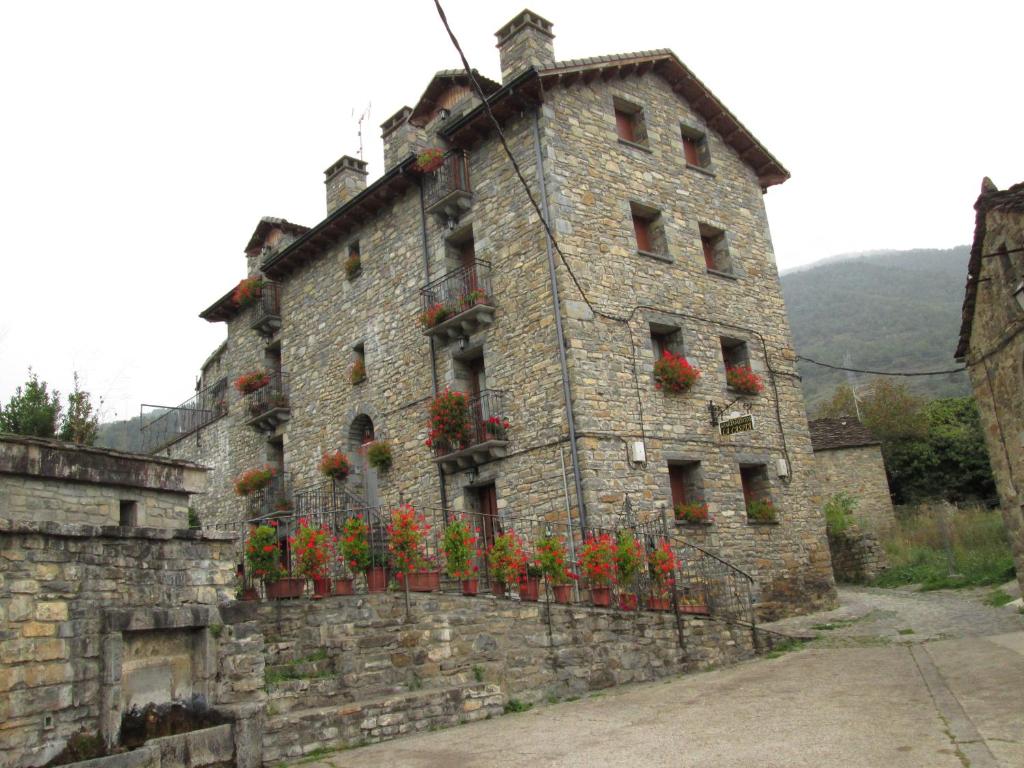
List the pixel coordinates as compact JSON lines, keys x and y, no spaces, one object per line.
{"x":881,"y":373}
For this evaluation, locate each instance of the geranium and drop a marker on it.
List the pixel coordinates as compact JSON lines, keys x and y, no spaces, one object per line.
{"x":598,"y":560}
{"x":474,"y":296}
{"x":495,"y":427}
{"x":335,"y":464}
{"x":629,"y":556}
{"x":460,"y":551}
{"x":743,"y":379}
{"x":255,"y":479}
{"x":435,"y":315}
{"x":449,"y":425}
{"x":378,"y":454}
{"x":355,"y":543}
{"x":661,"y":564}
{"x":357,"y":373}
{"x":313,"y":549}
{"x":429,"y":160}
{"x":761,"y":510}
{"x":673,"y":373}
{"x":247,"y":291}
{"x":262,"y":557}
{"x":507,"y":558}
{"x":691,"y":512}
{"x":551,"y":558}
{"x":249,"y":382}
{"x":406,"y":532}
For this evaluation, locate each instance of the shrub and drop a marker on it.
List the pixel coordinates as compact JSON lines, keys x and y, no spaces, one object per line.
{"x":459,"y":547}
{"x":691,"y":512}
{"x":335,"y":464}
{"x":673,"y":373}
{"x":406,"y":532}
{"x":661,"y":564}
{"x":254,"y":480}
{"x":552,"y":560}
{"x":355,"y":543}
{"x":507,"y":558}
{"x":249,"y":382}
{"x":378,"y":454}
{"x":313,"y":549}
{"x":761,"y":510}
{"x":839,"y":512}
{"x":248,"y":291}
{"x":743,"y":379}
{"x":449,"y":425}
{"x":598,"y":560}
{"x":629,"y":557}
{"x":262,"y":556}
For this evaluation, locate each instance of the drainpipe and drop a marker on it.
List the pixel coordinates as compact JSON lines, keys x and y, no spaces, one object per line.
{"x":556,"y":307}
{"x":433,"y":353}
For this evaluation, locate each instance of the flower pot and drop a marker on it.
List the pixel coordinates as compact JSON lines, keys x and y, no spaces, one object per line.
{"x":498,"y":588}
{"x":321,"y":587}
{"x":529,"y":589}
{"x":285,"y":589}
{"x":563,"y":593}
{"x":659,"y":603}
{"x":697,"y":610}
{"x":627,"y":602}
{"x":425,"y":581}
{"x":343,"y":587}
{"x":250,"y":594}
{"x":601,"y":596}
{"x":377,"y":579}
{"x":469,"y":587}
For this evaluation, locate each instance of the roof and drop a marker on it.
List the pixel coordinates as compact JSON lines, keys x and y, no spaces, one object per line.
{"x":841,"y":432}
{"x":268,"y":223}
{"x":439,"y":85}
{"x":990,"y":199}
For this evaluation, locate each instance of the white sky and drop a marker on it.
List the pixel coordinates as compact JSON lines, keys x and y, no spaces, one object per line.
{"x":142,"y":142}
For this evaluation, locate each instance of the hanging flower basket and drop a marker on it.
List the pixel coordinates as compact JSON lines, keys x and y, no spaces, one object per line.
{"x":335,"y":464}
{"x":673,"y":373}
{"x":254,"y":480}
{"x":252,"y":381}
{"x":744,"y":380}
{"x":691,"y":512}
{"x":378,"y":455}
{"x":429,"y":160}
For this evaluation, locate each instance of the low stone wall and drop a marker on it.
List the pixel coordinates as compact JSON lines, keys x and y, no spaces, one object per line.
{"x":68,"y":594}
{"x":348,"y":670}
{"x":857,"y":555}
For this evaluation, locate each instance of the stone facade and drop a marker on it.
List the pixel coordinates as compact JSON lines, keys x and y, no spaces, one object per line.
{"x":857,"y":555}
{"x":992,"y":345}
{"x":560,"y":123}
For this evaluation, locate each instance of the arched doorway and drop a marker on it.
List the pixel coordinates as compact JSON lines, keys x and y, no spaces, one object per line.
{"x":364,"y":477}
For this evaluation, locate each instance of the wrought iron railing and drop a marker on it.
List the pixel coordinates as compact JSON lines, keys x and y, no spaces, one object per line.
{"x":459,"y":290}
{"x":275,"y":499}
{"x":452,"y":176}
{"x":485,"y":421}
{"x":268,"y":306}
{"x":272,"y":395}
{"x":167,"y":425}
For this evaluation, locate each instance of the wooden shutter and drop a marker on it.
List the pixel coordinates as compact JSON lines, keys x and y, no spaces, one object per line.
{"x":660,"y":342}
{"x":709,"y":252}
{"x":747,"y":480}
{"x":624,"y":125}
{"x":642,"y":227}
{"x":677,"y":481}
{"x":691,"y":150}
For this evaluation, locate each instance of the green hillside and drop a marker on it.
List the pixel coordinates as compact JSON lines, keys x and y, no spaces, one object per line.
{"x":890,"y":311}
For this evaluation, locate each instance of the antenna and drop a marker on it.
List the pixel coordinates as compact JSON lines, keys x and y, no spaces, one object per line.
{"x":365,"y":115}
{"x":851,"y":380}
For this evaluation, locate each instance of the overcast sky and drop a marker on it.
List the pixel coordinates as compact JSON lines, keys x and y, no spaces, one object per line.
{"x":143,"y":141}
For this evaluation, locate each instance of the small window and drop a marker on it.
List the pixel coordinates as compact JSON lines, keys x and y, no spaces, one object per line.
{"x":629,"y":122}
{"x":757,"y":496}
{"x":354,"y":262}
{"x":695,"y":147}
{"x":357,"y":373}
{"x":649,"y":230}
{"x":687,"y":488}
{"x":716,"y":250}
{"x":129,"y":513}
{"x":735,"y":354}
{"x":665,"y":339}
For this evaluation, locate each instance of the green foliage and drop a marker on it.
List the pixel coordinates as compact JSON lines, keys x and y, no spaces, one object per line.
{"x":761,"y":510}
{"x":81,"y":421}
{"x":478,"y":673}
{"x":839,"y":512}
{"x":916,"y":550}
{"x":998,"y":598}
{"x":33,"y":410}
{"x":515,"y":705}
{"x":193,"y":519}
{"x":378,"y":454}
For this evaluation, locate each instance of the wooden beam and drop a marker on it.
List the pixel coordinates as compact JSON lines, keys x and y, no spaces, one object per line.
{"x":609,"y":73}
{"x":626,"y":69}
{"x":569,"y":78}
{"x":588,"y":76}
{"x":644,"y":67}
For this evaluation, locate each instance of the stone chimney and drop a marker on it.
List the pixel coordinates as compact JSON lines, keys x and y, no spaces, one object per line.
{"x":400,"y":137}
{"x":345,"y":179}
{"x":525,"y":41}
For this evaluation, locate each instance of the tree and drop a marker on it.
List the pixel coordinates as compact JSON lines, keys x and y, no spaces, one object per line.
{"x":32,"y":410}
{"x":81,"y":422}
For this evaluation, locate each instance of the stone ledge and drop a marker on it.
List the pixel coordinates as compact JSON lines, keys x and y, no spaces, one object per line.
{"x":133,"y":620}
{"x":85,"y":530}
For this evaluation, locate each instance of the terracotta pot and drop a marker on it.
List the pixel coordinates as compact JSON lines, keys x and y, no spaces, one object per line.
{"x":601,"y":596}
{"x":343,"y":587}
{"x":469,"y":587}
{"x":285,"y":589}
{"x":659,"y":603}
{"x":321,"y":587}
{"x":498,"y":588}
{"x":698,"y":610}
{"x":250,"y":594}
{"x":627,"y":602}
{"x":425,"y":581}
{"x":563,"y":593}
{"x":529,"y":589}
{"x":377,"y":579}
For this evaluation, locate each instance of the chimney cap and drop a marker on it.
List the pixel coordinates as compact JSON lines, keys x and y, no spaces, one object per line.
{"x":395,"y":121}
{"x":526,"y":18}
{"x":346,"y":163}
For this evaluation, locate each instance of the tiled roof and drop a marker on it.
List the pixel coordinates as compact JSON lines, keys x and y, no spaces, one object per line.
{"x":841,"y":432}
{"x":990,"y":199}
{"x":439,"y":84}
{"x":270,"y":222}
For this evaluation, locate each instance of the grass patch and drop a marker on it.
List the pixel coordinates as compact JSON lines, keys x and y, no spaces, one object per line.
{"x":906,"y":631}
{"x":515,"y":705}
{"x":917,"y":553}
{"x":478,"y":673}
{"x":998,"y":598}
{"x":781,"y":649}
{"x":290,"y":670}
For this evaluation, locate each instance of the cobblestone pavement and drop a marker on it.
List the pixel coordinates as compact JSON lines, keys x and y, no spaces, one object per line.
{"x":949,"y":694}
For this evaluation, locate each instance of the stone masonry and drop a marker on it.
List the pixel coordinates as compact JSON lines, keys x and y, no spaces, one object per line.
{"x":992,"y":345}
{"x":560,"y":121}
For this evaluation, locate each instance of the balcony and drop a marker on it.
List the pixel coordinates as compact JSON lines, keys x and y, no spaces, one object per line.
{"x":162,"y":426}
{"x":446,"y":191}
{"x":275,"y":499}
{"x":487,"y":439}
{"x":267,"y":317}
{"x":268,"y":407}
{"x":458,"y":304}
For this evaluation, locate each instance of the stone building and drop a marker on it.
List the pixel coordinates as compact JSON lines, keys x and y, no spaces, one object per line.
{"x":653,"y":191}
{"x":847,"y":457}
{"x":992,"y":345}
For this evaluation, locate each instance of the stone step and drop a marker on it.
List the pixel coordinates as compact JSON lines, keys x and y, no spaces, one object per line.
{"x":299,"y":732}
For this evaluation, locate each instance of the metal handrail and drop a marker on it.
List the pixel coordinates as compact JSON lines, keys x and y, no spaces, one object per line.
{"x":272,"y":395}
{"x":269,"y":302}
{"x":485,"y":417}
{"x":460,"y":289}
{"x":179,"y":421}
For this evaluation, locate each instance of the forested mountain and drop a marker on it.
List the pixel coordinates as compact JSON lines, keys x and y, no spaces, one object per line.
{"x":886,"y":310}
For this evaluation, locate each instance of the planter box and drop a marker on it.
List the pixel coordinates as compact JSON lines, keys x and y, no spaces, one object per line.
{"x":343,"y":587}
{"x":696,"y":610}
{"x":659,"y":603}
{"x":627,"y":602}
{"x":563,"y":593}
{"x":498,"y":588}
{"x":321,"y":587}
{"x":285,"y":589}
{"x":425,"y":581}
{"x":469,"y":587}
{"x":529,"y":589}
{"x":377,"y":579}
{"x":601,"y":596}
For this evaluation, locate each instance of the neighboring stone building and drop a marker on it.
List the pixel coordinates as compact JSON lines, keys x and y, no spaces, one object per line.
{"x":653,"y":190}
{"x":848,"y":458}
{"x":992,"y":345}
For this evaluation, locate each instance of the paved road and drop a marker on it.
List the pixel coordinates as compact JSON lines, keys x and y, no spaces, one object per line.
{"x":949,"y":694}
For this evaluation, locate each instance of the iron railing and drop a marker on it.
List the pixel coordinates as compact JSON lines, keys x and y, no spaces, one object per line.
{"x":275,"y":499}
{"x":168,"y":425}
{"x":459,"y":290}
{"x":268,"y":306}
{"x":272,"y":395}
{"x":485,"y":419}
{"x":451,"y":177}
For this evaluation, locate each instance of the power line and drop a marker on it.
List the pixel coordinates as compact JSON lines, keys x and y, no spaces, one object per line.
{"x":881,"y":373}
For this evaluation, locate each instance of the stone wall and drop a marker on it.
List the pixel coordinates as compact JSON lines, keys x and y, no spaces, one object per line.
{"x":343,"y":671}
{"x":857,"y":555}
{"x":859,"y":472}
{"x":63,"y":589}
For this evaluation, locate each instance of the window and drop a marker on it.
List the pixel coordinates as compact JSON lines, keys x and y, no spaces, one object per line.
{"x":757,"y":493}
{"x":649,"y":230}
{"x":685,"y":482}
{"x":128,"y":513}
{"x":695,"y":147}
{"x":735,"y":353}
{"x":354,"y":263}
{"x":716,"y":250}
{"x":629,"y":122}
{"x":357,"y":373}
{"x":664,"y":339}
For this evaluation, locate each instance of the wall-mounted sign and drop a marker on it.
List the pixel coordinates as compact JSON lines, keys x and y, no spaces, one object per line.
{"x":737,"y":424}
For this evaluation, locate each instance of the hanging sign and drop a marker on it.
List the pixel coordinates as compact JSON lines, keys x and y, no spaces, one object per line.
{"x":737,"y":424}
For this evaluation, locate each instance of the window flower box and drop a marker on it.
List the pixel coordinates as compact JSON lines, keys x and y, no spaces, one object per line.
{"x":742,"y":379}
{"x":674,"y":374}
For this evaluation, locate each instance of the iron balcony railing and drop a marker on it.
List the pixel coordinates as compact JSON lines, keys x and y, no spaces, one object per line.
{"x":452,"y":177}
{"x":166,"y":425}
{"x":269,"y":397}
{"x":458,"y":290}
{"x":485,"y":419}
{"x":275,"y":499}
{"x":268,"y":307}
